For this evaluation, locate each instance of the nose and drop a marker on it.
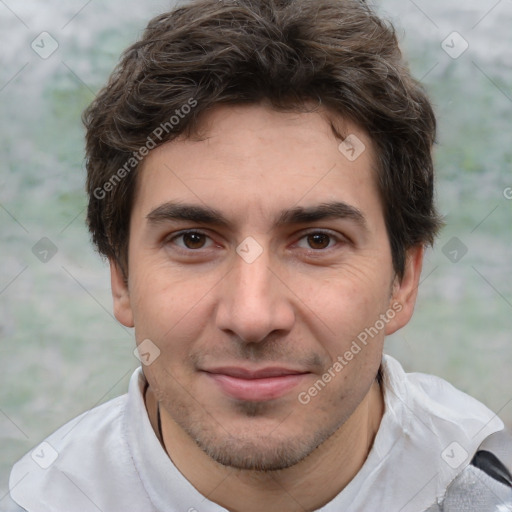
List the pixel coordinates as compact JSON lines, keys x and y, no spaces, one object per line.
{"x":254,"y":302}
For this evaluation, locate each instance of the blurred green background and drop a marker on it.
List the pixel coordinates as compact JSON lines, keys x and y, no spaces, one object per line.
{"x":61,"y":351}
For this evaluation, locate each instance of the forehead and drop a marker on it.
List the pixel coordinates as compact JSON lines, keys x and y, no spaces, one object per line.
{"x":259,"y":159}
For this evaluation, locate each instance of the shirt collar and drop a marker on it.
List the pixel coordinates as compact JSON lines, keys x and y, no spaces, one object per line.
{"x":426,"y":429}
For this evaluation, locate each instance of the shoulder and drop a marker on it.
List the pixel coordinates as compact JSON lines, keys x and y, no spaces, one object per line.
{"x":80,"y":466}
{"x":442,"y":429}
{"x":439,"y":403}
{"x":486,"y":484}
{"x":81,"y":442}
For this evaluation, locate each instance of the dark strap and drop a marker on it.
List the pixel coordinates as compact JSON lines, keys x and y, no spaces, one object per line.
{"x":492,"y":466}
{"x":494,"y":457}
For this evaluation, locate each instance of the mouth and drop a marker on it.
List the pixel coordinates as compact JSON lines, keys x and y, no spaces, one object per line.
{"x":255,"y":385}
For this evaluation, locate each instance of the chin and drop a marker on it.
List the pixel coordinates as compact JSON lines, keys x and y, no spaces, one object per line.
{"x":257,"y":456}
{"x":255,"y":450}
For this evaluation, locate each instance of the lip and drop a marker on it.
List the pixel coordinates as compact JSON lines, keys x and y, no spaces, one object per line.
{"x":255,"y":385}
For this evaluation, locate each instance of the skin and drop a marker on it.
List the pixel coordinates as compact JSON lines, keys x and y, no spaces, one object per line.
{"x":300,"y":304}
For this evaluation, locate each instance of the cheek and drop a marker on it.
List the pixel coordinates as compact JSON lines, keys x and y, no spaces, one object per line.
{"x":170,"y":306}
{"x":344,"y":305}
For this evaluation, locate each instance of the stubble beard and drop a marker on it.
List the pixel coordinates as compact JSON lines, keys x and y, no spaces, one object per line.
{"x":250,"y":450}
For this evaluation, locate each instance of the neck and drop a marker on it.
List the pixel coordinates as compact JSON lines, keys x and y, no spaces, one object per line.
{"x":327,"y":470}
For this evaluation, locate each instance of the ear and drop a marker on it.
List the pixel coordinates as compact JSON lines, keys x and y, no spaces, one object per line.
{"x":120,"y":295}
{"x":405,"y":291}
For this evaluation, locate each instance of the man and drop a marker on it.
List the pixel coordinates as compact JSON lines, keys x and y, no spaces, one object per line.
{"x":261,"y":181}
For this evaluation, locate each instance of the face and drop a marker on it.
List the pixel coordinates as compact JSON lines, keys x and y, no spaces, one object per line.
{"x":258,"y":258}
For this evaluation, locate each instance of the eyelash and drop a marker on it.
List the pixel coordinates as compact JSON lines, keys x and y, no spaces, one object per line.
{"x":335,"y":238}
{"x":184,"y":233}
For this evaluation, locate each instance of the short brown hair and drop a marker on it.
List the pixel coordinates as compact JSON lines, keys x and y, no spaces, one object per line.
{"x":208,"y":52}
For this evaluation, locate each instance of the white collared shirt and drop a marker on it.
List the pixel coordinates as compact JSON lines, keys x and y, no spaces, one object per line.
{"x":110,"y":459}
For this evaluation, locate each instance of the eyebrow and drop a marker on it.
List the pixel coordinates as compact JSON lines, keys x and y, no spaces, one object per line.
{"x":299,"y":215}
{"x":333,"y":210}
{"x":186,"y":212}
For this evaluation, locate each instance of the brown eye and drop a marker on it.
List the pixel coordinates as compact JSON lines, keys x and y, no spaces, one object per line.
{"x":318,"y":241}
{"x":194,"y":240}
